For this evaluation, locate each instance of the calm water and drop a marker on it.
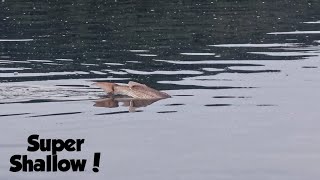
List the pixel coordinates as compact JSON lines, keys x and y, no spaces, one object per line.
{"x":244,"y":77}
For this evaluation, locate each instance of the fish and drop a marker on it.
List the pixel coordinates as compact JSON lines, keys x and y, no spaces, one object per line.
{"x":132,"y":89}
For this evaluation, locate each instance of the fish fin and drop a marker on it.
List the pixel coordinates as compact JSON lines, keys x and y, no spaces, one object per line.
{"x":132,"y":84}
{"x":106,"y":86}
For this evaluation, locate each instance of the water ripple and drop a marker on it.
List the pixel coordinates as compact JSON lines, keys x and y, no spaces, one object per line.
{"x":258,"y":45}
{"x":294,"y":32}
{"x":162,"y":72}
{"x":15,"y":40}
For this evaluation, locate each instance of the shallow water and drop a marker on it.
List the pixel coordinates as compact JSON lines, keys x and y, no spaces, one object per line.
{"x":243,"y":76}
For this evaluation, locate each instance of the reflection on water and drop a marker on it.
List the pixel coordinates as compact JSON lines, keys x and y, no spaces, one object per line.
{"x":133,"y":104}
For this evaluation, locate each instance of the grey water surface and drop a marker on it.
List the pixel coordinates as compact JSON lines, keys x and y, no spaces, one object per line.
{"x":244,"y":77}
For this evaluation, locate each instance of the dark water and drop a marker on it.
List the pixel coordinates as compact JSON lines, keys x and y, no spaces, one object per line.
{"x":84,"y":36}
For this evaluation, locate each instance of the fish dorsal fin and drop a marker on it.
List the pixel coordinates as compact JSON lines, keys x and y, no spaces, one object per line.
{"x":132,"y":84}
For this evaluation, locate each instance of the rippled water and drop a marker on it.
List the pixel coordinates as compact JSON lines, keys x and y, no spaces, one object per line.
{"x":243,"y":76}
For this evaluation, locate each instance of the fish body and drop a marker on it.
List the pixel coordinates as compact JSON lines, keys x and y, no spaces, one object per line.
{"x":133,"y":89}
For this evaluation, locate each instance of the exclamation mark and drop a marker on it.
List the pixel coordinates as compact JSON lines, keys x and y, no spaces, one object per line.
{"x":96,"y":162}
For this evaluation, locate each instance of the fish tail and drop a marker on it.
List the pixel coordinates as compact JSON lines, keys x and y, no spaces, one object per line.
{"x":106,"y":86}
